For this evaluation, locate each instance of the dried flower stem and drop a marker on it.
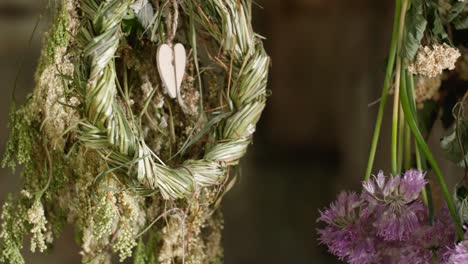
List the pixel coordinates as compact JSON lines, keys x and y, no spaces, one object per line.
{"x":396,"y":94}
{"x":386,"y":85}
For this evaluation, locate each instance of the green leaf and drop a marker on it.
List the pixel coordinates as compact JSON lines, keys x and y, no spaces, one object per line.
{"x":451,"y":146}
{"x":461,"y":22}
{"x":438,"y":27}
{"x":455,"y":11}
{"x":416,"y":24}
{"x":427,"y":116}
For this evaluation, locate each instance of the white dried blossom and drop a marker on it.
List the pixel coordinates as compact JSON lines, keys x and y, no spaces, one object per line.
{"x":426,"y":88}
{"x":430,"y":62}
{"x":105,"y":215}
{"x":38,"y":222}
{"x":125,"y":239}
{"x":132,"y":218}
{"x":26,"y":194}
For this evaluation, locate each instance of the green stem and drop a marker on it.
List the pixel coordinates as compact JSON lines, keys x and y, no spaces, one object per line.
{"x":407,"y":132}
{"x":386,"y":85}
{"x":396,"y":106}
{"x":419,"y":164}
{"x":398,"y":120}
{"x":401,"y":142}
{"x":420,"y":160}
{"x":425,"y":149}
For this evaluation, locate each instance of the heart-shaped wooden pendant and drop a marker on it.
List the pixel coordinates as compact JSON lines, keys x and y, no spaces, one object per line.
{"x":171,"y":62}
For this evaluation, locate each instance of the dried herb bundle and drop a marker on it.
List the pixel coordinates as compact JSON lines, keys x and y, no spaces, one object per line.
{"x":103,"y":146}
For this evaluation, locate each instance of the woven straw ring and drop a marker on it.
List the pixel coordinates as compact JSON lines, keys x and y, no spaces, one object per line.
{"x":108,"y":129}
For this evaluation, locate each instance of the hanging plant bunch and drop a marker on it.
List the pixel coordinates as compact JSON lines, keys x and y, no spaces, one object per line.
{"x":394,"y":218}
{"x":133,"y":134}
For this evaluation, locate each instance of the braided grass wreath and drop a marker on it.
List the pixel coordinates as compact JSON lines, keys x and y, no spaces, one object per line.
{"x":118,"y":138}
{"x":105,"y":148}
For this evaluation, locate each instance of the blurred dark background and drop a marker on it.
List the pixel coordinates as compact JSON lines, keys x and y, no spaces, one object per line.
{"x":328,"y":60}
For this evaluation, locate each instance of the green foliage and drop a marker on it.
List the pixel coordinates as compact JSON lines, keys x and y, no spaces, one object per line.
{"x":13,"y":230}
{"x":455,"y":11}
{"x":461,"y":199}
{"x":461,"y":22}
{"x":145,"y":250}
{"x":457,"y":16}
{"x":416,"y":24}
{"x":21,"y":143}
{"x":427,"y":116}
{"x":451,"y":145}
{"x":438,"y":27}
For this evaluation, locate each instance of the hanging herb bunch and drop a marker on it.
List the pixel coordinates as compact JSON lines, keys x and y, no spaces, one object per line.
{"x":133,"y":133}
{"x":394,"y":219}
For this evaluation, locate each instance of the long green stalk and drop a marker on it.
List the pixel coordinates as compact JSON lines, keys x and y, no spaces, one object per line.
{"x":420,"y":160}
{"x":407,"y":139}
{"x":396,"y":105}
{"x":405,"y":102}
{"x":386,"y":85}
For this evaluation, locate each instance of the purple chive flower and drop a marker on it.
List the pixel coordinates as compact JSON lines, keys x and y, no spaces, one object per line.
{"x":346,"y":235}
{"x":459,"y":255}
{"x":398,"y":223}
{"x":386,"y":224}
{"x":412,"y":184}
{"x":435,"y":238}
{"x":343,"y":210}
{"x":395,"y":199}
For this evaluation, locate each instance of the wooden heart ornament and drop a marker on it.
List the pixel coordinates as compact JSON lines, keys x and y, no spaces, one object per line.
{"x":171,"y":63}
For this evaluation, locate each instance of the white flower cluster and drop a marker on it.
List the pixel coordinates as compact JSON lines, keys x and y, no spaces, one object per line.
{"x":430,"y":62}
{"x":125,"y":239}
{"x":425,"y":89}
{"x":103,"y":220}
{"x":132,"y":218}
{"x":38,"y":221}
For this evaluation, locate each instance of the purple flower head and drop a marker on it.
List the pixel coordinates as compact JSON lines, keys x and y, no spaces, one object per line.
{"x":436,"y":237}
{"x":412,"y":184}
{"x":347,"y":235}
{"x":406,"y":189}
{"x":459,"y":255}
{"x":343,"y":211}
{"x":395,"y":199}
{"x":399,"y":223}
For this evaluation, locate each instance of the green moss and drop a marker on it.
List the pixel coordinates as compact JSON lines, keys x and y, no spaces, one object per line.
{"x":56,"y":37}
{"x":59,"y":36}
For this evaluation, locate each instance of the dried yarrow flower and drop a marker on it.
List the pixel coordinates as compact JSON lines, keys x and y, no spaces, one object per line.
{"x":132,"y":218}
{"x":38,"y":222}
{"x":430,"y":62}
{"x":426,"y":89}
